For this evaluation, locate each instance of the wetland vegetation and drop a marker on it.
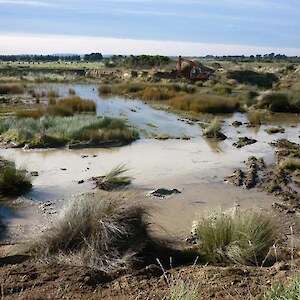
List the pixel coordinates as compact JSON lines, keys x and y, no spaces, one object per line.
{"x":112,"y":232}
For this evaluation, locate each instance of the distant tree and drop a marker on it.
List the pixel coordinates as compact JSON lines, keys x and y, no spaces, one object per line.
{"x":93,"y":57}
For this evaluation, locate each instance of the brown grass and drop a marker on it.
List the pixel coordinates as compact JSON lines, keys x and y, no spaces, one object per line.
{"x":77,"y":104}
{"x":201,"y":103}
{"x":11,"y":89}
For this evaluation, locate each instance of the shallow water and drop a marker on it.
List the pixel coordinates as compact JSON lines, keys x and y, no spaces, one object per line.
{"x":197,"y":166}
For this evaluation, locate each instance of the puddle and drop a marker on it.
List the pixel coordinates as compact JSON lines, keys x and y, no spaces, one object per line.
{"x":196,"y":166}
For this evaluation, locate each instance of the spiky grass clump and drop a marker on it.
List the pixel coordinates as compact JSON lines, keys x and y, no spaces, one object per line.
{"x":106,"y":233}
{"x":114,"y":179}
{"x":275,"y":101}
{"x":214,"y":130}
{"x":13,"y":181}
{"x":254,"y":117}
{"x":244,"y":237}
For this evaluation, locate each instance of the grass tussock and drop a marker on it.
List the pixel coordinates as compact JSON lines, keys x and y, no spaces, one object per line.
{"x":273,"y":130}
{"x":114,"y":179}
{"x":52,"y":94}
{"x":62,"y":130}
{"x":77,"y":104}
{"x":214,"y":130}
{"x":244,"y":237}
{"x":104,"y":89}
{"x":13,"y":181}
{"x":222,"y":89}
{"x":11,"y":89}
{"x":34,"y":113}
{"x":254,"y":118}
{"x":106,"y":233}
{"x":202,"y":103}
{"x":279,"y":101}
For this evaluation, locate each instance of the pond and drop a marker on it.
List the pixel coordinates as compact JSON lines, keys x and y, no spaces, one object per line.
{"x":197,"y":166}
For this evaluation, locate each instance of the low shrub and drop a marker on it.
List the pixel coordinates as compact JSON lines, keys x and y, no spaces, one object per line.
{"x":13,"y":181}
{"x":244,"y":237}
{"x":106,"y":233}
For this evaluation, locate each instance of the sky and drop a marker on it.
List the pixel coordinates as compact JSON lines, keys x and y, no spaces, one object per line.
{"x":169,"y":27}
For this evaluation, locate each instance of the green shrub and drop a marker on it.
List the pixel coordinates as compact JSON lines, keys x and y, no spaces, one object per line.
{"x":106,"y":233}
{"x":13,"y":181}
{"x":244,"y":237}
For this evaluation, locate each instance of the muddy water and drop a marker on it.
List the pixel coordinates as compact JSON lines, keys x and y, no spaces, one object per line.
{"x":196,"y":167}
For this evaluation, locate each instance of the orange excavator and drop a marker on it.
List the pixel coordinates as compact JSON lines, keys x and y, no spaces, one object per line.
{"x":193,"y":73}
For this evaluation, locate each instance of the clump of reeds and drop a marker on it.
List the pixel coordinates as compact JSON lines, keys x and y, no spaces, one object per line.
{"x":242,"y":237}
{"x":13,"y":181}
{"x":114,"y":179}
{"x":254,"y":117}
{"x":34,"y":113}
{"x":104,"y":89}
{"x":77,"y":104}
{"x":202,"y":103}
{"x":275,"y":101}
{"x":11,"y":89}
{"x":106,"y":233}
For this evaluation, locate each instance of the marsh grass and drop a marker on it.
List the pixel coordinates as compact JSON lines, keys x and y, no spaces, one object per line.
{"x":11,"y":89}
{"x":114,"y":179}
{"x":104,"y":89}
{"x":34,"y":113}
{"x":214,"y":130}
{"x":244,"y":237}
{"x":89,"y":129}
{"x":202,"y":103}
{"x":52,"y":94}
{"x":77,"y":104}
{"x":104,"y":232}
{"x":13,"y":181}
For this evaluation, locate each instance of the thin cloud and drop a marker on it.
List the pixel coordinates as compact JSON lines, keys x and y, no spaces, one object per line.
{"x":24,"y":2}
{"x":47,"y":44}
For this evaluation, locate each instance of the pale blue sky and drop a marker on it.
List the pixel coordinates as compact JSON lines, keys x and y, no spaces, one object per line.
{"x":195,"y":27}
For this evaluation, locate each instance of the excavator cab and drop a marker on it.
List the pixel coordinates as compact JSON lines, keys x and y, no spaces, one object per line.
{"x":195,"y":73}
